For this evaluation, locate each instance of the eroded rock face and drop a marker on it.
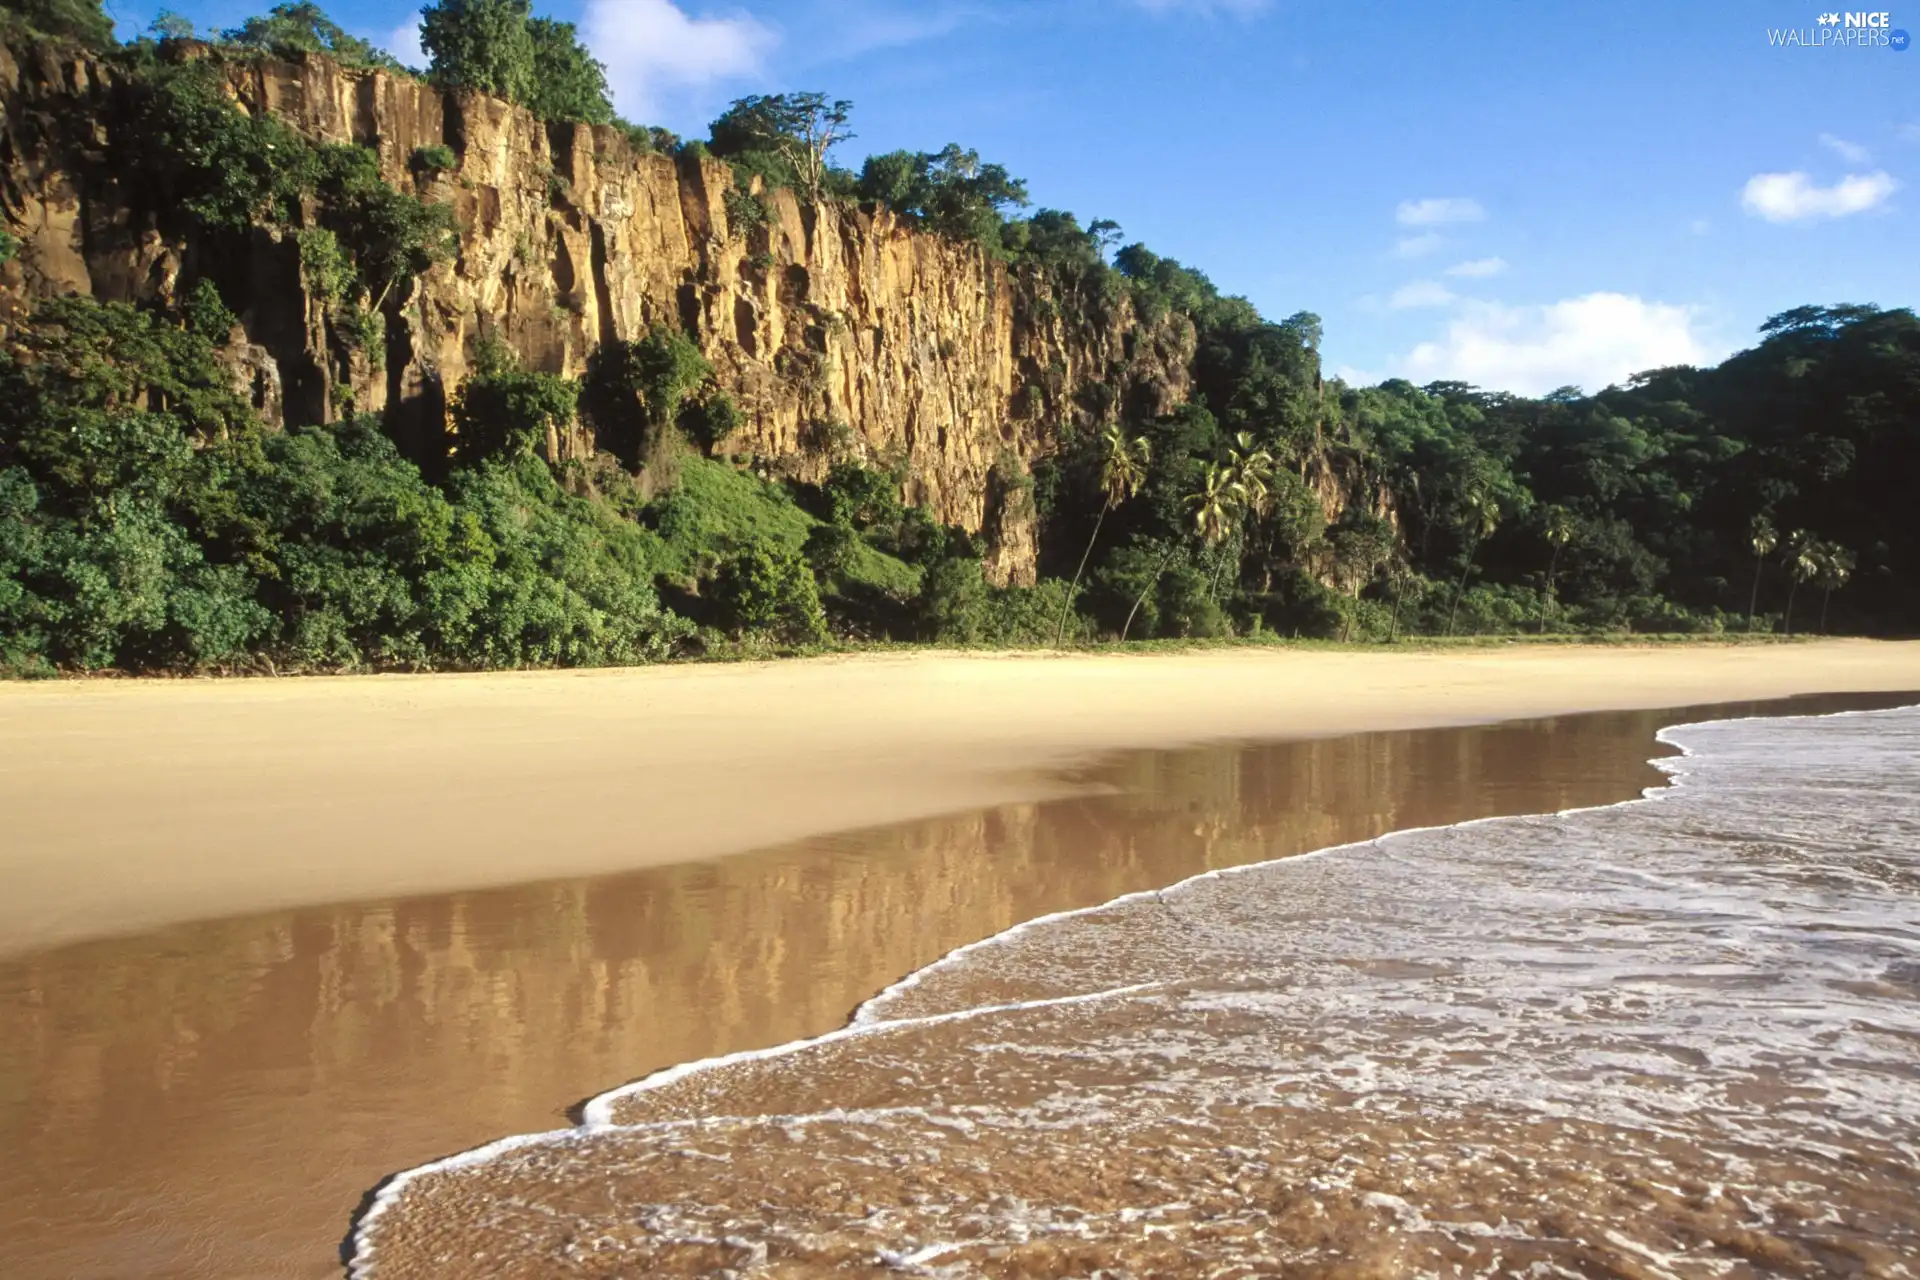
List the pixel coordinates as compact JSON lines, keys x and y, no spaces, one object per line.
{"x":925,"y":350}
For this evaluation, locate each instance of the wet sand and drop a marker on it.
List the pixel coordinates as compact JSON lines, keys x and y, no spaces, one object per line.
{"x":1673,"y":1039}
{"x":131,"y":805}
{"x":216,"y":1098}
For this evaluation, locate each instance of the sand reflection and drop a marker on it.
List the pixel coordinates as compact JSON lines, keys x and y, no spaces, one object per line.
{"x":216,"y":1098}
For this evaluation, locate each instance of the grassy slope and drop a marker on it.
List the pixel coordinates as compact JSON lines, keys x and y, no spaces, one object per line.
{"x":715,"y":507}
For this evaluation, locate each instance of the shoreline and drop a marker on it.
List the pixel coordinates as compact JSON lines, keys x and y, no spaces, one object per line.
{"x":620,"y":1109}
{"x":250,"y":1079}
{"x":137,"y":804}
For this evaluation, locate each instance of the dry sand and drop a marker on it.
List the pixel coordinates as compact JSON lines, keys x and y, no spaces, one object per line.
{"x":134,"y":804}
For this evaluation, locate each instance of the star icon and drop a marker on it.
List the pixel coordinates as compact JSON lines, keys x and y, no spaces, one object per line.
{"x":1829,"y":19}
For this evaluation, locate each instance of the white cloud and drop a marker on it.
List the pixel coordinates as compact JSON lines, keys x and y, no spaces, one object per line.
{"x":1420,"y":293}
{"x":1591,"y":341}
{"x":1910,"y":132}
{"x":1851,"y":152}
{"x":1793,"y":197}
{"x":403,"y":42}
{"x":1354,"y":377}
{"x":1438,"y":211}
{"x":650,"y":45}
{"x":1478,"y":268}
{"x":1418,"y":246}
{"x":1700,"y":226}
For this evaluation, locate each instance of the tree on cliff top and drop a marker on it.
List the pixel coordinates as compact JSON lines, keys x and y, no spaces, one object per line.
{"x":81,"y":20}
{"x":796,"y":130}
{"x":568,"y":83}
{"x":498,"y":47}
{"x":303,"y":27}
{"x":480,"y":44}
{"x":951,"y":191}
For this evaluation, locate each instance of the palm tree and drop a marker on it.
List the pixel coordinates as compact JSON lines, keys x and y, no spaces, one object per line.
{"x":1252,"y":467}
{"x":1123,"y":469}
{"x":1397,"y":575}
{"x":1483,"y":517}
{"x":1559,"y":530}
{"x":1763,"y":538}
{"x":1804,"y":554}
{"x":1836,"y":566}
{"x":1217,"y":507}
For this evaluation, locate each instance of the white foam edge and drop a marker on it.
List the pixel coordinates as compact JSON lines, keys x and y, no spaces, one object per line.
{"x":596,"y":1116}
{"x":1672,"y":766}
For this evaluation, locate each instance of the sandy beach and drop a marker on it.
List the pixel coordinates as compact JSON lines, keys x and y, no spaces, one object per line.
{"x":137,"y":804}
{"x":250,"y":963}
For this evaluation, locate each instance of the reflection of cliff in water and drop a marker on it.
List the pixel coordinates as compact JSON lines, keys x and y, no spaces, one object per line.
{"x":215,"y":1098}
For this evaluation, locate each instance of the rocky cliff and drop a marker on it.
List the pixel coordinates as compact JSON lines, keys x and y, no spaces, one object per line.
{"x":823,"y":318}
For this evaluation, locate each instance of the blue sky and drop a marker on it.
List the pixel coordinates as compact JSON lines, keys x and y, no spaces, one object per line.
{"x":1520,"y":196}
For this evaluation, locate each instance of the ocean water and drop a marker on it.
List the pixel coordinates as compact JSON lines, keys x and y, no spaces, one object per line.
{"x":1676,"y":1037}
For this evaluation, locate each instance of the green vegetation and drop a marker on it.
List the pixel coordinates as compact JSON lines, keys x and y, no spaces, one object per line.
{"x":503,"y":412}
{"x":951,"y":192}
{"x":202,"y":164}
{"x":290,"y":30}
{"x":438,"y":158}
{"x":785,"y":139}
{"x":498,"y":47}
{"x":149,"y":522}
{"x":83,"y":21}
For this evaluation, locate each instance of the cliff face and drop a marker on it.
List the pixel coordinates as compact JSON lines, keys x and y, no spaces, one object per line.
{"x":926,"y":350}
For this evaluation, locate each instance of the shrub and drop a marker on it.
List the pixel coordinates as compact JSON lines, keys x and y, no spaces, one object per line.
{"x":952,"y":606}
{"x":716,"y":507}
{"x":1187,"y":606}
{"x":438,"y":158}
{"x":746,"y":213}
{"x":653,"y":376}
{"x":507,"y":413}
{"x":324,"y":265}
{"x":710,"y":421}
{"x":829,"y":550}
{"x":766,"y":587}
{"x":81,"y":20}
{"x":186,"y":146}
{"x":861,"y":497}
{"x":207,"y":313}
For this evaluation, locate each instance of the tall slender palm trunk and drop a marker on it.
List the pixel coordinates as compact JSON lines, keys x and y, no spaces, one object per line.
{"x":1826,"y":598}
{"x":1060,"y":632}
{"x":1791,"y":593}
{"x":1461,"y":586}
{"x":1753,"y":600}
{"x":1151,"y":583}
{"x":1546,"y":595}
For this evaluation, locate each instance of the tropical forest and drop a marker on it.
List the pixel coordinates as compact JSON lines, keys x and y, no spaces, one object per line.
{"x":312,"y":362}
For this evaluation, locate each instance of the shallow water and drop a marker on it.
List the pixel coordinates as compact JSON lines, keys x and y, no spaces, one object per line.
{"x":1678,"y":1037}
{"x":216,"y":1099}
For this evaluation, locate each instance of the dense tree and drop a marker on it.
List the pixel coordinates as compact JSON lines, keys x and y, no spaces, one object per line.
{"x":148,"y":521}
{"x":83,"y":20}
{"x":568,"y":83}
{"x":790,"y":135}
{"x":302,"y":27}
{"x":952,"y":191}
{"x":481,"y":44}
